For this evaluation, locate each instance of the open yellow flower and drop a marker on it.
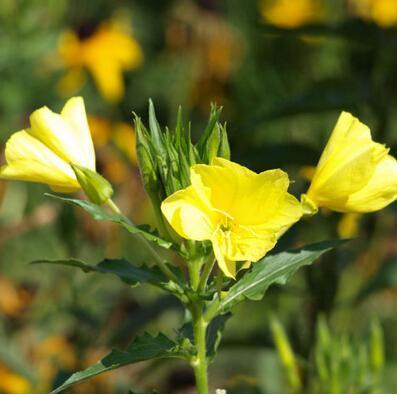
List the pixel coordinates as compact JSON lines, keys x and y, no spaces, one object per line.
{"x":354,"y":174}
{"x":105,"y":54}
{"x":242,"y":213}
{"x":43,"y":153}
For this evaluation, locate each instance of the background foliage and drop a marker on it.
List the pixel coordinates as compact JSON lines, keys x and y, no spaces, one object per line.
{"x":282,"y":73}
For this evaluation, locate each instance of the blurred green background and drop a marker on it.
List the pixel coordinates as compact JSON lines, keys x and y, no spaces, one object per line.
{"x":282,"y":70}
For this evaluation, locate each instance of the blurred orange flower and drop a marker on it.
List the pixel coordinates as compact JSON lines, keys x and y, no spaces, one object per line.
{"x":382,"y":12}
{"x":105,"y":54}
{"x":12,"y":383}
{"x":290,"y":14}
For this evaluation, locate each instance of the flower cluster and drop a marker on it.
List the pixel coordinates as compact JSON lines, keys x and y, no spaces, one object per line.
{"x":202,"y":195}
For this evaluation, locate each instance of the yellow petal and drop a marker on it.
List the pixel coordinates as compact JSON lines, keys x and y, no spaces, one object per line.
{"x":28,"y":159}
{"x":227,"y":266}
{"x":380,"y":191}
{"x":59,"y":135}
{"x":188,"y":216}
{"x":74,"y":113}
{"x":347,"y":163}
{"x":247,"y":197}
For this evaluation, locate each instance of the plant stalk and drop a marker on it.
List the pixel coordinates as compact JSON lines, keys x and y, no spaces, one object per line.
{"x":157,"y":258}
{"x":199,"y":363}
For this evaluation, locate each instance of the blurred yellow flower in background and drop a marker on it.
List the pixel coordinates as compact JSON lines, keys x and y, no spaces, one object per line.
{"x":348,"y":225}
{"x":106,"y":53}
{"x":382,"y":12}
{"x":43,"y":153}
{"x":12,"y":383}
{"x":354,"y":174}
{"x":242,"y":213}
{"x":290,"y":13}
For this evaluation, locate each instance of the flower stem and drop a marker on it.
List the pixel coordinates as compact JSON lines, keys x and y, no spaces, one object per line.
{"x":209,"y":265}
{"x":199,"y":363}
{"x":157,"y":258}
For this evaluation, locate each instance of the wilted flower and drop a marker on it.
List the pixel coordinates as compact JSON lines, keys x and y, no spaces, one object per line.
{"x":43,"y":152}
{"x":354,"y":174}
{"x":242,"y":213}
{"x":289,"y":14}
{"x":106,"y":53}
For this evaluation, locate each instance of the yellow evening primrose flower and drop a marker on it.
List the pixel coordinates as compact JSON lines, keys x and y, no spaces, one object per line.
{"x":106,"y":53}
{"x":354,"y":174}
{"x":289,"y":14}
{"x":43,"y":153}
{"x":242,"y":213}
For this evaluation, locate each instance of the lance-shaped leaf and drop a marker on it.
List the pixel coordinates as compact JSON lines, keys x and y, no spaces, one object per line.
{"x":143,"y":348}
{"x":131,"y":274}
{"x":98,"y":213}
{"x":277,"y":268}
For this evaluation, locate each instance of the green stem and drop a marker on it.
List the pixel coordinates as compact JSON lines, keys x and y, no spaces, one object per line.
{"x":194,"y":273}
{"x":147,"y":245}
{"x":199,"y":363}
{"x":209,"y":265}
{"x":113,"y":206}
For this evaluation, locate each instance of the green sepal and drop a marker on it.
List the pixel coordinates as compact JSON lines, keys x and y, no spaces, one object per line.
{"x":95,"y":186}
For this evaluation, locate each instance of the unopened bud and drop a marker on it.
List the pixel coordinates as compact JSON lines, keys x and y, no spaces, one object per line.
{"x":212,"y":144}
{"x":224,"y":147}
{"x":95,"y":186}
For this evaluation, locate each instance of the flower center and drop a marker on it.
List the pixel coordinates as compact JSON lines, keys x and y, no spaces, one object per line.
{"x":227,"y":224}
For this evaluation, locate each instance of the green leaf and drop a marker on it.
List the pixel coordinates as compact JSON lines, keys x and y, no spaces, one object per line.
{"x":214,"y":334}
{"x":98,"y":213}
{"x":277,"y":268}
{"x":127,"y":272}
{"x":143,"y":348}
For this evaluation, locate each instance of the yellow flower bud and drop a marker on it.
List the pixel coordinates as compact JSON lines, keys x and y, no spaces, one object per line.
{"x":354,"y":174}
{"x":43,"y":153}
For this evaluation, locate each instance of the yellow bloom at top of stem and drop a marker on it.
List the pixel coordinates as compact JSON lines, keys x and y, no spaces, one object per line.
{"x":289,"y":14}
{"x":354,"y":174}
{"x":105,"y":54}
{"x":242,"y":213}
{"x":43,"y":153}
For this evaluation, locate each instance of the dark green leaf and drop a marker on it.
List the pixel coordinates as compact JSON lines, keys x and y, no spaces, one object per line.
{"x":214,"y":334}
{"x":277,"y":268}
{"x":143,"y":348}
{"x":98,"y":213}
